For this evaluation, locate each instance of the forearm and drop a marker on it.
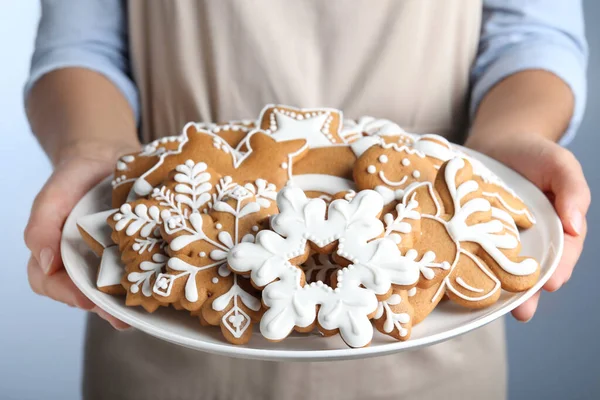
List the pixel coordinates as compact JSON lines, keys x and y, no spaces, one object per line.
{"x":73,"y":110}
{"x":532,"y":102}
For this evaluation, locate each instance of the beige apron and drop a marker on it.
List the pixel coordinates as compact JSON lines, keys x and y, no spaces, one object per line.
{"x":216,"y":60}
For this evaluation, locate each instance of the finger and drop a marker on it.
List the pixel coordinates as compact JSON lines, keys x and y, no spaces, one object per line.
{"x":571,"y":192}
{"x":59,"y":287}
{"x":573,"y":245}
{"x":526,"y":311}
{"x":51,"y":208}
{"x":116,"y":323}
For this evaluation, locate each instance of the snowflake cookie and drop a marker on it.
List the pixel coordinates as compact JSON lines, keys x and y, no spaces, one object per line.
{"x":195,"y":224}
{"x":352,"y":232}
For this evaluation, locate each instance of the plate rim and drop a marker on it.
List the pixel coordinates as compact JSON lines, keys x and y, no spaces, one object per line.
{"x":232,"y":350}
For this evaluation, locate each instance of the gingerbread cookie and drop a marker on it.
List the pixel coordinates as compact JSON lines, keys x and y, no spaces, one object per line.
{"x":325,"y":171}
{"x":198,"y":223}
{"x":319,"y":126}
{"x":501,"y":196}
{"x":486,"y":240}
{"x":136,"y":231}
{"x":266,"y":158}
{"x":351,"y":232}
{"x":97,"y":235}
{"x":129,"y":167}
{"x":369,"y":126}
{"x":394,"y":316}
{"x":391,"y":168}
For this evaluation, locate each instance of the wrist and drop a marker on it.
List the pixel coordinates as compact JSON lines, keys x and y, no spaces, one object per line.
{"x":101,"y":151}
{"x":506,"y":147}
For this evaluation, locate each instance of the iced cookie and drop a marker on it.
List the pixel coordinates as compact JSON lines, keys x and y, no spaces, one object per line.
{"x":319,"y":126}
{"x":394,"y":316}
{"x":390,"y":169}
{"x":97,"y":235}
{"x":353,"y":234}
{"x":266,"y":158}
{"x":486,"y":240}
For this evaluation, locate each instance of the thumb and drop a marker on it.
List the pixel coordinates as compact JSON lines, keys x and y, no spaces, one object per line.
{"x":571,"y":192}
{"x":69,"y":182}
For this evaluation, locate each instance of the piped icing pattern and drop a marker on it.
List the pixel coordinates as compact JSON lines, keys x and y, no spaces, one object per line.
{"x":348,"y":230}
{"x":303,"y":220}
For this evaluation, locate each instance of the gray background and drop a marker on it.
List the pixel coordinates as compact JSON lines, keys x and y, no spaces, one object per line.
{"x":555,"y":356}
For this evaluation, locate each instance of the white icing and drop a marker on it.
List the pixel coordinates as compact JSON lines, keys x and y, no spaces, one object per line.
{"x":370,"y":126}
{"x":375,"y":264}
{"x":142,"y":187}
{"x":149,"y":269}
{"x":111,"y":269}
{"x":460,"y":281}
{"x":322,"y":183}
{"x":513,"y":210}
{"x":248,"y":200}
{"x":464,"y":284}
{"x":389,"y":182}
{"x":487,"y":234}
{"x":371,"y":169}
{"x":392,"y":320}
{"x":383,"y":159}
{"x":316,"y":268}
{"x":434,"y":146}
{"x":416,"y":174}
{"x":405,"y":162}
{"x":362,"y":145}
{"x":312,"y":125}
{"x":95,"y":225}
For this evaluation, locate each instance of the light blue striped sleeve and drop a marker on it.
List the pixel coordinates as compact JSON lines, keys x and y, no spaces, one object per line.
{"x":89,"y":34}
{"x":519,"y":35}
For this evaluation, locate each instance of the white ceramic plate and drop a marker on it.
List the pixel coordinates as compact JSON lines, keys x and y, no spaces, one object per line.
{"x":544,"y":242}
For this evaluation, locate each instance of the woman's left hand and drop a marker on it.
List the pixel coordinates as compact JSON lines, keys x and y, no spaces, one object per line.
{"x":556,"y":171}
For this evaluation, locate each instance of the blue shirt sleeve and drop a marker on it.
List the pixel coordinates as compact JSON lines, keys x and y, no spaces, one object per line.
{"x":519,"y":35}
{"x":89,"y":34}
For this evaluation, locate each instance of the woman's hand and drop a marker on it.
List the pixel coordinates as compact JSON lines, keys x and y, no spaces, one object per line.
{"x":75,"y":174}
{"x":557,"y":173}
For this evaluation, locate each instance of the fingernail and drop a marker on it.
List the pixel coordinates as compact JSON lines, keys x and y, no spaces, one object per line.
{"x":46,"y":258}
{"x":576,"y":221}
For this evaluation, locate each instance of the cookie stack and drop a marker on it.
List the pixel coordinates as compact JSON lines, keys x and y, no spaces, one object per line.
{"x":302,"y":220}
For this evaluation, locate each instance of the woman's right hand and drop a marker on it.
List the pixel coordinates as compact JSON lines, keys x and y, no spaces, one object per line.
{"x":73,"y":176}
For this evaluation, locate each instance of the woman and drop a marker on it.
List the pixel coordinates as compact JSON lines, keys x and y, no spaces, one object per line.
{"x":506,"y":76}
